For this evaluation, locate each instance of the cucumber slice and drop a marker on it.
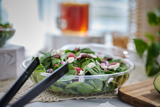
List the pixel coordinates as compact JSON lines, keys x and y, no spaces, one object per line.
{"x":157,"y":83}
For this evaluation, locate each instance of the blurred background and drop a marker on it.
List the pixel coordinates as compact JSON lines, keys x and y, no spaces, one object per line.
{"x":36,"y":21}
{"x":33,"y":19}
{"x":42,"y":25}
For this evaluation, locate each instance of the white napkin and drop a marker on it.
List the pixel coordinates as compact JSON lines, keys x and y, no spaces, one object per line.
{"x":106,"y":104}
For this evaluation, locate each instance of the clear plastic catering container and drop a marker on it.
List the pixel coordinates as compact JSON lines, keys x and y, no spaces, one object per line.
{"x":89,"y":84}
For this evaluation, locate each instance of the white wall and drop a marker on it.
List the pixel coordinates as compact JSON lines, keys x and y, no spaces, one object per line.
{"x":30,"y":31}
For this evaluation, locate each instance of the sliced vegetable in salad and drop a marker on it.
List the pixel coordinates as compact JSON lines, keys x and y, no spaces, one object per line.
{"x":81,"y":62}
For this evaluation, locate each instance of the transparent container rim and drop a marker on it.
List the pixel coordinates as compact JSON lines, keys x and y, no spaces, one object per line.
{"x":23,"y":66}
{"x":96,"y":45}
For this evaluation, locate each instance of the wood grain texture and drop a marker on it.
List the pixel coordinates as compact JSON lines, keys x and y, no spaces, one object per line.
{"x":138,"y":22}
{"x":11,"y":56}
{"x":141,"y":94}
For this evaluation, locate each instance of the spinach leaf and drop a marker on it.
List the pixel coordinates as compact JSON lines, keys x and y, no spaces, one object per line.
{"x":76,"y":63}
{"x":122,"y":68}
{"x":98,"y":84}
{"x":87,"y":51}
{"x":67,"y":78}
{"x":108,"y":72}
{"x":115,"y":60}
{"x":91,"y":71}
{"x":33,"y":77}
{"x":72,"y":70}
{"x":84,"y":88}
{"x":55,"y":61}
{"x":94,"y":71}
{"x":72,"y":87}
{"x":67,"y":52}
{"x":46,"y":60}
{"x":84,"y":62}
{"x":61,"y":84}
{"x":77,"y":53}
{"x":120,"y":81}
{"x":40,"y":78}
{"x":98,"y":69}
{"x":36,"y":74}
{"x":105,"y":86}
{"x":56,"y":89}
{"x":98,"y":59}
{"x":90,"y":82}
{"x":40,"y":68}
{"x":111,"y":87}
{"x":74,"y":52}
{"x":64,"y":57}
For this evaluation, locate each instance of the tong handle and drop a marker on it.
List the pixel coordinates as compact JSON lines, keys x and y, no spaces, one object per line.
{"x":41,"y":86}
{"x":19,"y":82}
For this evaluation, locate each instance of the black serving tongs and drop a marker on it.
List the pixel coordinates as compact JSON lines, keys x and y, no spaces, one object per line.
{"x":36,"y":90}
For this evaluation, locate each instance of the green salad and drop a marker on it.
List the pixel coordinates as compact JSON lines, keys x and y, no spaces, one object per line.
{"x":6,"y":32}
{"x":5,"y":25}
{"x":81,"y":61}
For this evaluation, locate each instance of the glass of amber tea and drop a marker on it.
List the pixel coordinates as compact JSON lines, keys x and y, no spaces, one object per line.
{"x":73,"y":18}
{"x":120,"y":39}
